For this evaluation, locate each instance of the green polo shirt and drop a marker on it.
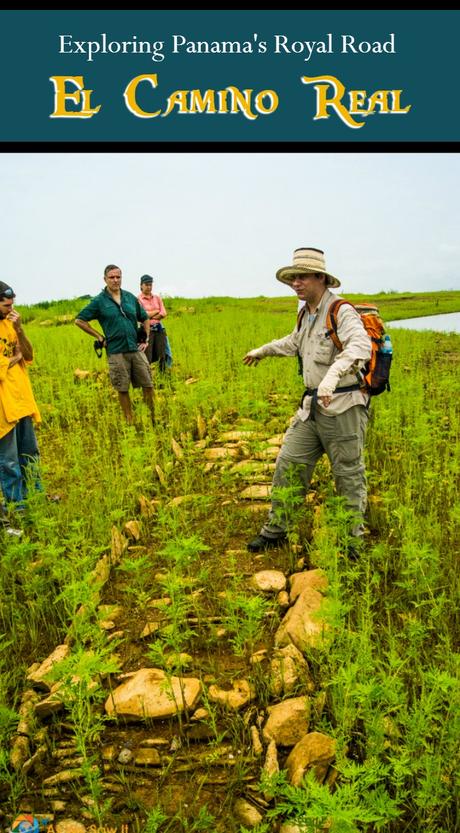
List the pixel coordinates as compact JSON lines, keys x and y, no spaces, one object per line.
{"x":118,"y":321}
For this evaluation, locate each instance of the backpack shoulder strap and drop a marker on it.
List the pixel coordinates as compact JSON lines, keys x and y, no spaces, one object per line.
{"x":300,"y":317}
{"x":331,"y":320}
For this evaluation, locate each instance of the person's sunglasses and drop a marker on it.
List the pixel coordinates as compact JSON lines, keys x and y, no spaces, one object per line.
{"x":7,"y":293}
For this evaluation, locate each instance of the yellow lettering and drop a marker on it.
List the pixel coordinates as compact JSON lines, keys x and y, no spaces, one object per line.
{"x":396,"y":105}
{"x":130,"y":96}
{"x":80,"y":97}
{"x":379,"y":99}
{"x":241,"y":100}
{"x":322,"y":102}
{"x":200,"y":103}
{"x":357,"y":100}
{"x":273,"y":102}
{"x":177,"y":99}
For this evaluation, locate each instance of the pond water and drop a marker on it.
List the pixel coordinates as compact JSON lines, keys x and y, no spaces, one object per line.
{"x":447,"y":323}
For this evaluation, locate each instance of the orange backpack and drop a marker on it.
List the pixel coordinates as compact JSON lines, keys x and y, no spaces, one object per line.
{"x":375,"y":377}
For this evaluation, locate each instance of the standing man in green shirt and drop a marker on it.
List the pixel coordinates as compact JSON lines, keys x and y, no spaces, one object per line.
{"x":118,"y":312}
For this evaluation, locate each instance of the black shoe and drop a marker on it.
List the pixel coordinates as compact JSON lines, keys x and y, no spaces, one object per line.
{"x":261,"y":542}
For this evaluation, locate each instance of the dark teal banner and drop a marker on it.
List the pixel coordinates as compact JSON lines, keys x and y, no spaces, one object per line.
{"x":230,"y":76}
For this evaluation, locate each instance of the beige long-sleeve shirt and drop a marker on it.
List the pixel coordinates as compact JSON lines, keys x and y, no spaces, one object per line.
{"x":324,"y":367}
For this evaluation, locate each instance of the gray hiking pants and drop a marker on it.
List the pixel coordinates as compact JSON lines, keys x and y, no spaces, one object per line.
{"x":342,"y":438}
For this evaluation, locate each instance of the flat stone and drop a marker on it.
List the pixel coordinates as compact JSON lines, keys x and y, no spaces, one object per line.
{"x":288,"y":668}
{"x":147,"y":757}
{"x":238,"y":696}
{"x":38,"y":676}
{"x":246,"y":813}
{"x":220,"y":453}
{"x":256,"y":492}
{"x":302,"y":624}
{"x":314,"y":579}
{"x":271,"y":765}
{"x":288,"y":722}
{"x":269,"y":581}
{"x":283,"y":598}
{"x":70,"y":826}
{"x":149,"y":693}
{"x":133,"y":530}
{"x":314,"y":751}
{"x":270,"y":453}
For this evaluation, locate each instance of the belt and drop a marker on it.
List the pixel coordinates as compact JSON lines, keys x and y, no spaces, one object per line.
{"x":313,"y":392}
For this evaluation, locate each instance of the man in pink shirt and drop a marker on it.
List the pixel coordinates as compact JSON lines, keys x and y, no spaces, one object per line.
{"x":154,"y":307}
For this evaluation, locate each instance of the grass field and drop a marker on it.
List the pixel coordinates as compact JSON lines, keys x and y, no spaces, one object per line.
{"x":387,"y":680}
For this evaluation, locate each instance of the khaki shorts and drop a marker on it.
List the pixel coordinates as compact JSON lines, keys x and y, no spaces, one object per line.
{"x":126,"y":368}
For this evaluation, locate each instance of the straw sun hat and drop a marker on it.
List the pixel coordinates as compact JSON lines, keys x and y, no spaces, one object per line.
{"x":306,"y":261}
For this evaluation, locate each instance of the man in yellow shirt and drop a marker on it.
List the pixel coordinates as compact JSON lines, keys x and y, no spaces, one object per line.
{"x":18,"y":410}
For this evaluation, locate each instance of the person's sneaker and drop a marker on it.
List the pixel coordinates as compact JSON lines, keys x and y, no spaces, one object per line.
{"x":261,"y":542}
{"x":10,"y":530}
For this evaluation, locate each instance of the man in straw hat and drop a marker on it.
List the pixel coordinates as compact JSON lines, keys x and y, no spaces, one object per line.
{"x":333,"y":414}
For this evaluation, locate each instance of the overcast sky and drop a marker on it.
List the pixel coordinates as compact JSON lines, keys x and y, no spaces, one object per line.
{"x":221,"y":224}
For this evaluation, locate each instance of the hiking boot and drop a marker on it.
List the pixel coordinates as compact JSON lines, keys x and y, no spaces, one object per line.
{"x":261,"y":543}
{"x":10,"y":530}
{"x":354,"y":549}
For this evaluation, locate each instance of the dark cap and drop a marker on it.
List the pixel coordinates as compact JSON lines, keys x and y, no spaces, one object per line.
{"x":146,"y":279}
{"x":6,"y":291}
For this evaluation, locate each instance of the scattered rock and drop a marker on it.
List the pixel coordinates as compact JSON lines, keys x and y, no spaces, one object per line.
{"x":288,"y":721}
{"x":316,"y":751}
{"x":80,"y":375}
{"x":256,"y":492}
{"x":315,"y":579}
{"x":133,"y":530}
{"x":287,"y":669}
{"x":283,"y":599}
{"x":147,"y":757}
{"x":220,"y":453}
{"x":150,"y":628}
{"x":177,"y":450}
{"x":238,"y":696}
{"x":257,"y":747}
{"x":38,"y":677}
{"x":65,"y":777}
{"x":200,"y":714}
{"x":270,"y":453}
{"x":125,"y":756}
{"x":119,"y":544}
{"x":271,"y":765}
{"x":70,"y":826}
{"x":302,"y":624}
{"x":269,"y":581}
{"x":246,"y":813}
{"x":26,"y":712}
{"x":151,"y":693}
{"x":20,"y":752}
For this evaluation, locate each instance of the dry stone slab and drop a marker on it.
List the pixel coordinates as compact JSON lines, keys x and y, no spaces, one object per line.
{"x":220,"y":453}
{"x":288,"y":668}
{"x":302,"y":624}
{"x":246,"y":813}
{"x":37,"y":677}
{"x":236,"y":698}
{"x":316,"y":751}
{"x":149,"y":693}
{"x":70,"y":826}
{"x":288,"y":721}
{"x":257,"y":492}
{"x":268,"y":581}
{"x":314,"y":579}
{"x":271,"y":765}
{"x":147,"y":757}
